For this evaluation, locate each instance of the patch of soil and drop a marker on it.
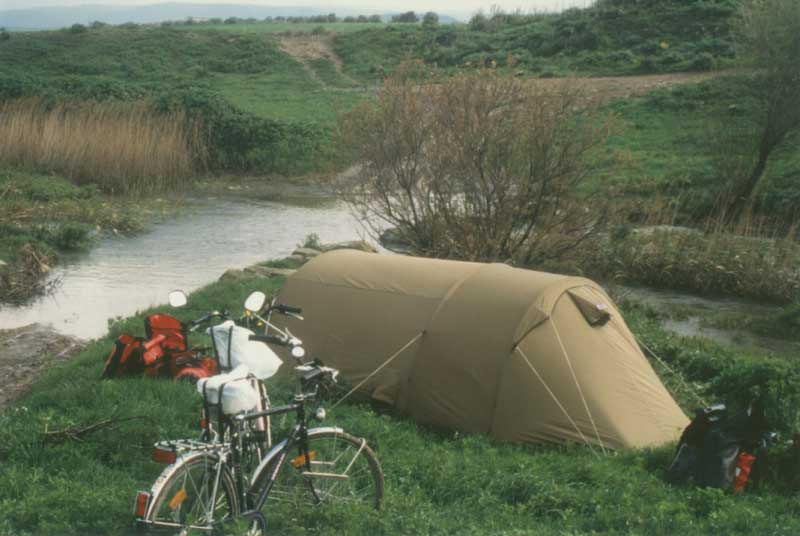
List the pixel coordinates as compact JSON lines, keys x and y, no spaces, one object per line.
{"x":25,"y":352}
{"x":605,"y":89}
{"x":306,"y":48}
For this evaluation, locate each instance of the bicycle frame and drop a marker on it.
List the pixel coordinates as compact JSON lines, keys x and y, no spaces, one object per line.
{"x":298,"y":435}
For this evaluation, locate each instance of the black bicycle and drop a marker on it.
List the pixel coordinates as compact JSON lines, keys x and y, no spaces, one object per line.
{"x":208,"y":485}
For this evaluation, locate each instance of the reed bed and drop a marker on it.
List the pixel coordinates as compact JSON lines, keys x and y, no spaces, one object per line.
{"x":120,"y":147}
{"x":753,"y":258}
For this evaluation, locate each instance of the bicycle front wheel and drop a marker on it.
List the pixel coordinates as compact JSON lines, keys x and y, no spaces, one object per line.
{"x":341,"y":469}
{"x":192,"y":499}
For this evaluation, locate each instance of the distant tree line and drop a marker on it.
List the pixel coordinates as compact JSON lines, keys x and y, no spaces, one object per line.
{"x":428,"y":19}
{"x":318,"y":19}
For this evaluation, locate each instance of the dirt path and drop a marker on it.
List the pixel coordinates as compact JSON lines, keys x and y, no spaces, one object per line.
{"x":26,"y":352}
{"x":306,"y":48}
{"x":606,"y":89}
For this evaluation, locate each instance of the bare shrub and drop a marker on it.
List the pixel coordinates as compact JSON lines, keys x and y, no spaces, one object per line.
{"x":118,"y":146}
{"x":479,"y":166}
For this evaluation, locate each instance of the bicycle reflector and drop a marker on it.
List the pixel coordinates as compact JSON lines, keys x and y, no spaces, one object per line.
{"x":142,"y":499}
{"x":164,"y":456}
{"x":300,"y":461}
{"x":178,"y":499}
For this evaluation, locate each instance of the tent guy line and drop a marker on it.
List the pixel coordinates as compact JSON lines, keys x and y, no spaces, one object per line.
{"x":377,"y":370}
{"x":578,"y":385}
{"x":555,"y":399}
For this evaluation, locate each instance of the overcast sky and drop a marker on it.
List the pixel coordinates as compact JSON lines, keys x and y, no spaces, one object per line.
{"x":442,"y":6}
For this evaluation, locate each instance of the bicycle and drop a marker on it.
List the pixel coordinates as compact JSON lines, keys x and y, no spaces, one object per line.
{"x":207,"y":487}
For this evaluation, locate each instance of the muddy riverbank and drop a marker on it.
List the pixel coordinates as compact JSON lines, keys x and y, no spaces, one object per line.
{"x":25,"y":352}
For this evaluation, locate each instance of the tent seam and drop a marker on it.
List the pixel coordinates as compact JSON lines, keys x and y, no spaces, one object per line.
{"x":584,"y":283}
{"x":555,"y":399}
{"x":405,"y":392}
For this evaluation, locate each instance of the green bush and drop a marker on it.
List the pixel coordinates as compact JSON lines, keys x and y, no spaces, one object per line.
{"x":722,"y":375}
{"x":703,"y":62}
{"x":238,"y":140}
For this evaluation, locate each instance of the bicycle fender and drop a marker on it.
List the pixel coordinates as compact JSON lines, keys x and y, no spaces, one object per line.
{"x":280,"y":446}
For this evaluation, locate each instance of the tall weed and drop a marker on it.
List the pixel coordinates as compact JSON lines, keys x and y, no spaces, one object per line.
{"x":120,"y":147}
{"x":748,"y":260}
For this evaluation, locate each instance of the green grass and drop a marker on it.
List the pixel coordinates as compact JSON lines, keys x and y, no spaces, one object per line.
{"x":248,"y":69}
{"x":289,"y":95}
{"x":668,"y":145}
{"x":437,"y":482}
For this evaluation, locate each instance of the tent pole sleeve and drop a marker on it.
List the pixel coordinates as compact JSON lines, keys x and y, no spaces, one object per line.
{"x":555,"y":399}
{"x":578,"y":385}
{"x":374,"y":372}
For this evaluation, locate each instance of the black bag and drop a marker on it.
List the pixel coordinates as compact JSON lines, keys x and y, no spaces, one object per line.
{"x":710,"y":447}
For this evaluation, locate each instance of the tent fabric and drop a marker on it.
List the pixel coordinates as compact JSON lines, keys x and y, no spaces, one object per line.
{"x":524,"y":356}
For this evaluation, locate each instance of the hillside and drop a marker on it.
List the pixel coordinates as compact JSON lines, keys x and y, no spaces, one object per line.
{"x":254,"y":97}
{"x":612,"y":37}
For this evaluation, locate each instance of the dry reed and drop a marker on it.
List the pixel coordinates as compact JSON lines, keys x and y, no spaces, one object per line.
{"x":121,"y":147}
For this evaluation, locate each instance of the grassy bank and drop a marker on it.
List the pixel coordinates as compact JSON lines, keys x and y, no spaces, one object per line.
{"x":717,"y":263}
{"x":437,"y":482}
{"x":44,"y":216}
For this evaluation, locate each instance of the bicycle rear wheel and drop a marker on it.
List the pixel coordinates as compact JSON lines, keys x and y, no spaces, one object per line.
{"x":342,"y":470}
{"x":191,"y":500}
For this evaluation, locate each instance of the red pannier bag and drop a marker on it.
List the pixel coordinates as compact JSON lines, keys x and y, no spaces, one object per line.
{"x":126,"y":358}
{"x":174,"y":331}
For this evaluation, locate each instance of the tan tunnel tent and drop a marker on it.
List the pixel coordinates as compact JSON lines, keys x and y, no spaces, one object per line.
{"x":524,"y":356}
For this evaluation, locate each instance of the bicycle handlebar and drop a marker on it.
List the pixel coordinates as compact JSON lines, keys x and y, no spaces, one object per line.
{"x":286,"y":309}
{"x":269,"y":339}
{"x":205,"y":318}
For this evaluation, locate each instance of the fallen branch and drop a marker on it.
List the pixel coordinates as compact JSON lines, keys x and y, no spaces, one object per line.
{"x":76,"y":433}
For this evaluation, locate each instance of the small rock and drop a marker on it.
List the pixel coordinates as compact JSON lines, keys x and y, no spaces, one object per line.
{"x":306,"y":252}
{"x":359,"y":245}
{"x":28,"y":351}
{"x":3,"y":263}
{"x":266,"y":271}
{"x":232,"y":274}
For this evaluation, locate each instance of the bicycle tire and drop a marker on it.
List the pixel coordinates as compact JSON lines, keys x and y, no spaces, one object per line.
{"x":178,"y":503}
{"x":333,"y":452}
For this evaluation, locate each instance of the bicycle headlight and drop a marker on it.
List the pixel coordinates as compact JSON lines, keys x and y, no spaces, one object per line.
{"x":320,"y":414}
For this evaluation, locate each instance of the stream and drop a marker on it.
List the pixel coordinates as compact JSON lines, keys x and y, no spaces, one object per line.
{"x":122,"y":275}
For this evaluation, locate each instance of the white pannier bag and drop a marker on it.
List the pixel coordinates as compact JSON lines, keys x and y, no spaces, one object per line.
{"x":238,"y":393}
{"x":234,"y":348}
